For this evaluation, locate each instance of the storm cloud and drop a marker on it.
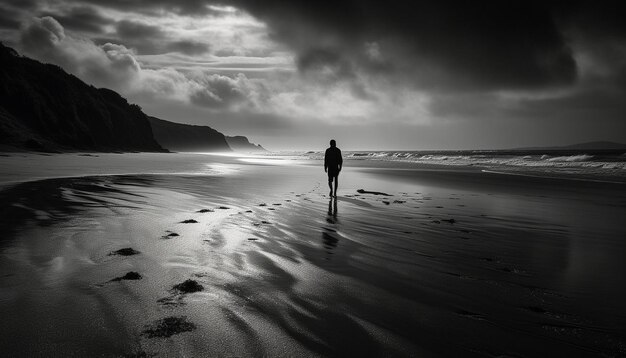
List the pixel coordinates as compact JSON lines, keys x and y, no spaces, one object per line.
{"x":80,"y":18}
{"x":446,"y":73}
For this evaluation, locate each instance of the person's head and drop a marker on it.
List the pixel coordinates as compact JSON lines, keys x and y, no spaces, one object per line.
{"x":333,"y":143}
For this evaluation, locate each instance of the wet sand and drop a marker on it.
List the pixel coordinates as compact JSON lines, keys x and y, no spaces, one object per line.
{"x":255,"y":259}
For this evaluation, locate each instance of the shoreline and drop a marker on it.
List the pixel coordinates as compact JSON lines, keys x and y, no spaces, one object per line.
{"x":27,"y":167}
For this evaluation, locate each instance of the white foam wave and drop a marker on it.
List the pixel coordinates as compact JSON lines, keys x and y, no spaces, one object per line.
{"x":572,"y":158}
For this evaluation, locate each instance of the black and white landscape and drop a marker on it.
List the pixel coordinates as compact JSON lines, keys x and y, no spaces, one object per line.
{"x":163,"y":188}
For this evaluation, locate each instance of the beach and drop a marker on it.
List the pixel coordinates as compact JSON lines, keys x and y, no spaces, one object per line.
{"x":227,"y":255}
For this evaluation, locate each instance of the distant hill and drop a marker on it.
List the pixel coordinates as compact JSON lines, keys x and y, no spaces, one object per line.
{"x":600,"y":145}
{"x":44,"y":108}
{"x":242,"y":144}
{"x":188,"y":138}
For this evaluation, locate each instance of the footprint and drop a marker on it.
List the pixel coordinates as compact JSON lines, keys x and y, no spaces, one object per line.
{"x":168,"y":327}
{"x":127,"y":251}
{"x":132,"y":275}
{"x":188,"y":286}
{"x":169,"y":236}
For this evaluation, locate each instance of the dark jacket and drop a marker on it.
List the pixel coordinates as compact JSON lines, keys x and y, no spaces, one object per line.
{"x":332,"y":159}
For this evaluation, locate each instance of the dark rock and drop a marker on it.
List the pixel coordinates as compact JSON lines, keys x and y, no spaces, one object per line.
{"x":399,"y":201}
{"x":189,"y":221}
{"x":132,"y":275}
{"x":189,"y":286}
{"x":362,"y":191}
{"x":385,"y":202}
{"x":127,"y":251}
{"x":223,"y":208}
{"x":205,"y":211}
{"x":263,"y":204}
{"x":168,"y":327}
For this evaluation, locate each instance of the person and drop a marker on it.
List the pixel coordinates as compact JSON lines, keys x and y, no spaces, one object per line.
{"x":332,"y":165}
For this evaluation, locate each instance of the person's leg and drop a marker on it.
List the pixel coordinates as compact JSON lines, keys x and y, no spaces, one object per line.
{"x":336,"y":184}
{"x":330,"y":185}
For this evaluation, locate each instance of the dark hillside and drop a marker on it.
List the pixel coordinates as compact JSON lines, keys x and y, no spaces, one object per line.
{"x":44,"y":108}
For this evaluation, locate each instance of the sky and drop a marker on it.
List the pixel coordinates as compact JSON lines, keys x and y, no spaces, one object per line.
{"x":374,"y":75}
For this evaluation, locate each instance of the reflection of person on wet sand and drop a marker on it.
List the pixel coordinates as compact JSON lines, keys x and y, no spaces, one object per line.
{"x":328,"y":240}
{"x":332,"y":209}
{"x":332,"y":165}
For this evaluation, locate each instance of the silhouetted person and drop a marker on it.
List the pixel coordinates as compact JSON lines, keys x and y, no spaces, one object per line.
{"x":332,"y":165}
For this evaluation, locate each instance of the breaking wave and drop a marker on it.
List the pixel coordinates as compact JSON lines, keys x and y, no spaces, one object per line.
{"x":594,"y":163}
{"x":572,"y":158}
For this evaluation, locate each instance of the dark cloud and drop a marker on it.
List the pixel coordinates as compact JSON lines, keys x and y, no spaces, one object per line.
{"x":82,"y":18}
{"x":504,"y":72}
{"x":184,"y":7}
{"x":605,"y":20}
{"x":136,"y":30}
{"x":330,"y":64}
{"x":22,"y":4}
{"x":9,"y":19}
{"x":188,"y":47}
{"x":436,"y":44}
{"x":150,"y":39}
{"x":157,"y":46}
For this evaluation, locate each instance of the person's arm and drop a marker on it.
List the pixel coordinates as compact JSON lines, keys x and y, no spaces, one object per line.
{"x":340,"y":159}
{"x":326,"y":161}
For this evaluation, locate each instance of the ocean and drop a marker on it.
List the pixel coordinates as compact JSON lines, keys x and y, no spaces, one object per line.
{"x":594,"y":165}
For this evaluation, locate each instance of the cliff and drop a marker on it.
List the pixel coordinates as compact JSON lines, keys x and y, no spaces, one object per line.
{"x":187,"y":138}
{"x":241,"y":144}
{"x":44,"y":108}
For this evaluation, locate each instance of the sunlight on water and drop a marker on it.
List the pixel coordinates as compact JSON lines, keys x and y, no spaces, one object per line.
{"x":222,"y":169}
{"x":271,"y":161}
